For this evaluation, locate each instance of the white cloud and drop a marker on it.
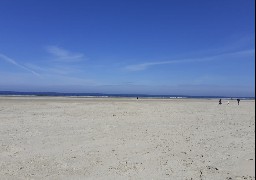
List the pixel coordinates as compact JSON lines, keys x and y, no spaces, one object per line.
{"x":57,"y":69}
{"x":13,"y":62}
{"x":144,"y":66}
{"x":64,"y":55}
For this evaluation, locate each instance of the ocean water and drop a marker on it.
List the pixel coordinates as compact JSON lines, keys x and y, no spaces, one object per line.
{"x":103,"y":95}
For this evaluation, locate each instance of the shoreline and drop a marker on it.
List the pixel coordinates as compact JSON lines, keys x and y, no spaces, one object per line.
{"x":106,"y":95}
{"x":124,"y":97}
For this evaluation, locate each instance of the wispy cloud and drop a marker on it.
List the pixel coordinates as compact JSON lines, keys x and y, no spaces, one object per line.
{"x":64,"y":55}
{"x":13,"y":62}
{"x":146,"y":65}
{"x":54,"y":69}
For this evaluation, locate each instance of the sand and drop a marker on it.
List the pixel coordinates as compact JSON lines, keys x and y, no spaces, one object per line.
{"x":111,"y":138}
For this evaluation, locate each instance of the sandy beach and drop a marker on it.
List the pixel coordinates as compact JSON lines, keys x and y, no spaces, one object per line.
{"x":125,"y":138}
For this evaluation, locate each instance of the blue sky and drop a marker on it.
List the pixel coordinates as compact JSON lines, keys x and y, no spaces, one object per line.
{"x":153,"y":47}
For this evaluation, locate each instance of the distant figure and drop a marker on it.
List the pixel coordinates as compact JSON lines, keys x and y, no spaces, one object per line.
{"x":220,"y":101}
{"x":228,"y":102}
{"x":137,"y":97}
{"x":238,"y":100}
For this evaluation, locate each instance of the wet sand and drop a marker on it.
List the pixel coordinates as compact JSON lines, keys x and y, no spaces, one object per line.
{"x":111,"y":138}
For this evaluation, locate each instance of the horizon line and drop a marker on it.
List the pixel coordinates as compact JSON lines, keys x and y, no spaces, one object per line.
{"x":130,"y":94}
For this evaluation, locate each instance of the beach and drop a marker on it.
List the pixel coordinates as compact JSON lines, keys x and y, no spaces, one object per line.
{"x":126,"y":138}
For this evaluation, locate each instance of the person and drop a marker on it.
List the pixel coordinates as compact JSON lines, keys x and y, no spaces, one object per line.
{"x":220,"y":101}
{"x":238,"y":100}
{"x":228,"y":102}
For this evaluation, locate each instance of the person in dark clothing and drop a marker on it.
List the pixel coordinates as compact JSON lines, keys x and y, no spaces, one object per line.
{"x":238,"y":100}
{"x":220,"y":101}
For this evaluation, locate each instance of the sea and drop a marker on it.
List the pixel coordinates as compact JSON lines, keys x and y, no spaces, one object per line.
{"x":105,"y":95}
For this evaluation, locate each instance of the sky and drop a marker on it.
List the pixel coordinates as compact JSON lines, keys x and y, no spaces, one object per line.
{"x":175,"y":47}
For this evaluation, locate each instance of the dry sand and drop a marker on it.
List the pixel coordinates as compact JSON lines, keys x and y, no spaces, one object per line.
{"x":86,"y":138}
